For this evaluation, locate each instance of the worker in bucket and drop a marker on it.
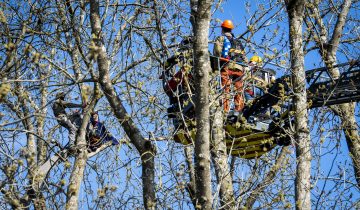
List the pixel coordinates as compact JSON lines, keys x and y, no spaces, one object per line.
{"x":231,"y":52}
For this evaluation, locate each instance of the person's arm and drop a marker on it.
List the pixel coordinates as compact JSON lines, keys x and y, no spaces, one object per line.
{"x":71,"y":105}
{"x":103,"y":130}
{"x":108,"y":136}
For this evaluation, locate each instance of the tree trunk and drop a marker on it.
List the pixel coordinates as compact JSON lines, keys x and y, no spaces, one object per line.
{"x":145,"y":148}
{"x":201,"y":70}
{"x":39,"y":200}
{"x":41,"y":146}
{"x":72,"y":194}
{"x":295,"y":10}
{"x":191,"y":186}
{"x":31,"y":156}
{"x":344,"y":111}
{"x":349,"y":126}
{"x":220,"y":161}
{"x":328,"y":49}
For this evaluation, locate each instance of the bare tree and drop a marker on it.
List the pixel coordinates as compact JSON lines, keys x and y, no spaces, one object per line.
{"x":202,"y":15}
{"x":296,"y":11}
{"x":144,"y":147}
{"x":110,"y":54}
{"x":328,"y":45}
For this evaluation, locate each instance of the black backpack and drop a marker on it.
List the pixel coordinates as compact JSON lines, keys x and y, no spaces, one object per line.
{"x":237,"y":52}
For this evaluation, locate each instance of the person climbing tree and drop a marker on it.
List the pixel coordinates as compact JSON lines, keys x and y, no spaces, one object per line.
{"x":98,"y":134}
{"x":69,"y":121}
{"x":231,"y":51}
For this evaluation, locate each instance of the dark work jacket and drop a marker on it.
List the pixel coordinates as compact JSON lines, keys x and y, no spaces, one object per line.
{"x":98,"y":130}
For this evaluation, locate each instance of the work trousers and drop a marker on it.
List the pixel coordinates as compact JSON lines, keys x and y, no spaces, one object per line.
{"x":71,"y":123}
{"x":227,"y":77}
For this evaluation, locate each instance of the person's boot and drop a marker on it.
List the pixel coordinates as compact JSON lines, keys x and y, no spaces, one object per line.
{"x":233,"y":117}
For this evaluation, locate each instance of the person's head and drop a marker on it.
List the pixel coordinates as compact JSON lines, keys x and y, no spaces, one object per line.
{"x":255,"y":61}
{"x":95,"y":115}
{"x":227,"y":26}
{"x":61,"y":95}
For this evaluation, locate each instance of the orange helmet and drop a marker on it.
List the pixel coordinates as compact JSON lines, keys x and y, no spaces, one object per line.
{"x":227,"y":24}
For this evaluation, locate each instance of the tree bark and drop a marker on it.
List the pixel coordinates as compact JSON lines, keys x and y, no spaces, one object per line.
{"x":351,"y":131}
{"x":72,"y":194}
{"x":41,"y":146}
{"x":39,"y":201}
{"x":201,"y":71}
{"x":145,"y":148}
{"x":76,"y":177}
{"x":191,"y":186}
{"x":220,"y":160}
{"x":295,"y":9}
{"x":31,"y":156}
